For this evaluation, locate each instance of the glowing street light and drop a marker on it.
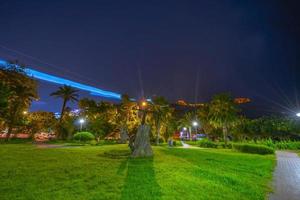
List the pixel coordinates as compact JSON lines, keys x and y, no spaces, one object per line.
{"x":184,"y":128}
{"x":298,"y":114}
{"x":143,"y":109}
{"x":144,"y":104}
{"x":25,"y":112}
{"x":81,"y":121}
{"x":195,"y":124}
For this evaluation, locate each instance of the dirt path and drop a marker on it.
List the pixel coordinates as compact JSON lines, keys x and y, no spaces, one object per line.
{"x":286,"y":181}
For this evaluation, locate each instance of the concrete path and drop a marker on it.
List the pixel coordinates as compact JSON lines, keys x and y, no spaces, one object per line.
{"x":286,"y":183}
{"x":185,"y":145}
{"x":48,"y":146}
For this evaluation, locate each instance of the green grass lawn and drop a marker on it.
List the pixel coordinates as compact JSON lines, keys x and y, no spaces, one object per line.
{"x":87,"y":172}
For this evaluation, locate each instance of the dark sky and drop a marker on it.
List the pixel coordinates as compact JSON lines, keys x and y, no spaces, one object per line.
{"x":250,"y":48}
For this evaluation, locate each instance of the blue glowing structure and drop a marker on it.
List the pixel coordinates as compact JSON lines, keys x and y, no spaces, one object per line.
{"x":61,"y":81}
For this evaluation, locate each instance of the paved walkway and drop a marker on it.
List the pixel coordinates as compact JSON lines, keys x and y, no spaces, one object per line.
{"x":48,"y":146}
{"x":286,"y":181}
{"x":185,"y":145}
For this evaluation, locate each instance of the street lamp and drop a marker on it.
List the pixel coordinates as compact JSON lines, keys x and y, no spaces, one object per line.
{"x":184,"y":128}
{"x":144,"y":104}
{"x":298,"y":114}
{"x":81,"y":121}
{"x":195,"y":124}
{"x":143,"y":109}
{"x":25,"y":112}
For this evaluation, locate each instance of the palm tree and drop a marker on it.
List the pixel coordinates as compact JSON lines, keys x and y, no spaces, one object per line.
{"x":67,"y":93}
{"x":223,"y":113}
{"x":20,"y":100}
{"x":127,"y":117}
{"x":161,"y":112}
{"x":202,"y":115}
{"x":186,"y":121}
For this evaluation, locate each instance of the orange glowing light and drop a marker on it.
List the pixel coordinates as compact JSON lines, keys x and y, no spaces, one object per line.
{"x":144,"y":103}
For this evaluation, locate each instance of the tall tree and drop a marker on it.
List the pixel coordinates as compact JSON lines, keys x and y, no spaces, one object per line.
{"x":22,"y":91}
{"x":223,"y":113}
{"x":67,"y":93}
{"x":126,"y":117}
{"x":41,"y":121}
{"x":186,"y":121}
{"x":4,"y":98}
{"x":100,"y":116}
{"x":160,"y":113}
{"x":202,"y":115}
{"x":170,"y":127}
{"x":141,"y":147}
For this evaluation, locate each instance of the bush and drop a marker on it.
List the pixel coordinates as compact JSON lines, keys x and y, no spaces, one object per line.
{"x":252,"y":148}
{"x":93,"y":142}
{"x":282,"y":144}
{"x":84,"y":136}
{"x":207,"y":144}
{"x":287,"y":145}
{"x":223,"y":146}
{"x":174,"y":143}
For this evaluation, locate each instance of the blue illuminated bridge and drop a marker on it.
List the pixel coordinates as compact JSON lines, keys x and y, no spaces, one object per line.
{"x":62,"y":81}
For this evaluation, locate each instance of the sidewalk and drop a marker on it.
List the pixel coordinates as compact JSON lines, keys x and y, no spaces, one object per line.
{"x":286,"y":183}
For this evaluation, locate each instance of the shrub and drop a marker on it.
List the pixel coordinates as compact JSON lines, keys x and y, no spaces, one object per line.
{"x":223,"y":146}
{"x":269,"y":143}
{"x":282,"y":144}
{"x":207,"y":144}
{"x":93,"y":142}
{"x":174,"y":143}
{"x":287,"y":145}
{"x":84,"y":136}
{"x":252,"y":148}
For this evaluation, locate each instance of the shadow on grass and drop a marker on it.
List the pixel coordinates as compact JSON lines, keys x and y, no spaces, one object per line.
{"x":206,"y":166}
{"x":140,"y":182}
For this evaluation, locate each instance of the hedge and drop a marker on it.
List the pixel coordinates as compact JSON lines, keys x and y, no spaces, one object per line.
{"x":252,"y":148}
{"x":210,"y":144}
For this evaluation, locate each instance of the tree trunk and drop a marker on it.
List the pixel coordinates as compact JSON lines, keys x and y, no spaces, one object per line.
{"x":123,"y":135}
{"x":12,"y":122}
{"x":8,"y":133}
{"x":63,"y":110}
{"x":131,"y":143}
{"x":225,"y":135}
{"x":157,"y":133}
{"x":142,"y":146}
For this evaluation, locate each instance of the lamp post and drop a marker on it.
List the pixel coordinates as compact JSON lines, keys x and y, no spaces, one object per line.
{"x":195,"y":124}
{"x":81,"y":121}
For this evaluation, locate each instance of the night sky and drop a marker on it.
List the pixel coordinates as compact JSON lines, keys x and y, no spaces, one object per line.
{"x":179,"y":49}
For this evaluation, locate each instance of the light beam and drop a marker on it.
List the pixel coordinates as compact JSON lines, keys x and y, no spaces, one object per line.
{"x":62,"y":81}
